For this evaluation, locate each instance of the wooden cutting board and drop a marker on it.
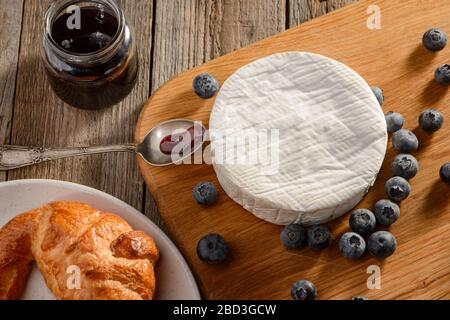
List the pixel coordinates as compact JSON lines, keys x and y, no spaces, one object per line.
{"x":259,"y":266}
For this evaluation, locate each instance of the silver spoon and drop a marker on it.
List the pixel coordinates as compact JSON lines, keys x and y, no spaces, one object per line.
{"x":14,"y":157}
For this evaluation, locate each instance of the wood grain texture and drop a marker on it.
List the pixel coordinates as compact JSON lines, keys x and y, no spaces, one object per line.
{"x":189,"y":33}
{"x":304,"y":10}
{"x":259,"y":267}
{"x":41,"y":119}
{"x":11,"y":18}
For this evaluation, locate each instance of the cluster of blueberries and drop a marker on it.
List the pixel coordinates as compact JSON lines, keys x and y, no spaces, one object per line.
{"x":213,"y":248}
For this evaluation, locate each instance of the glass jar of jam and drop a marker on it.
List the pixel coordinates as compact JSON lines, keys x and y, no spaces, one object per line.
{"x":89,"y":53}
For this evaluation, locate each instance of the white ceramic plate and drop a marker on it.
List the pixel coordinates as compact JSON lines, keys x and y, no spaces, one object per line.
{"x":174,"y":278}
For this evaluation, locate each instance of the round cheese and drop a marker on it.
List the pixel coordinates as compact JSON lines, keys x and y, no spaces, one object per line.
{"x":297,"y":137}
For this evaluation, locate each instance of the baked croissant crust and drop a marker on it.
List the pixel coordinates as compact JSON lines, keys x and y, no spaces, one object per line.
{"x":83,"y":254}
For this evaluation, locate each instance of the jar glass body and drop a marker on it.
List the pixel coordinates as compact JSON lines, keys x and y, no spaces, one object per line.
{"x":94,"y":65}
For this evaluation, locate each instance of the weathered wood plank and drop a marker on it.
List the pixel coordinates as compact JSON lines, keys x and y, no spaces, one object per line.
{"x":189,"y":33}
{"x":41,"y":119}
{"x":304,"y":10}
{"x":11,"y":19}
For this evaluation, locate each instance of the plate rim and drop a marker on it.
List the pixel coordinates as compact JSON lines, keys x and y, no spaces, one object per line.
{"x":139,"y":216}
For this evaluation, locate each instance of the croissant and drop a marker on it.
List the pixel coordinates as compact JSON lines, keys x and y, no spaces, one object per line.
{"x":83,"y":254}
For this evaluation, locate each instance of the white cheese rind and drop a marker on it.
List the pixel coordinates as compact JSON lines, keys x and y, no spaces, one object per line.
{"x":331,"y":128}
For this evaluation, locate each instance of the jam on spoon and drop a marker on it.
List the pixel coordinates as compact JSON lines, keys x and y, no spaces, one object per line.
{"x":169,"y":142}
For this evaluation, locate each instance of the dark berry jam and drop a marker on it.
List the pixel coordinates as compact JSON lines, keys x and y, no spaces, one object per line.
{"x":94,"y":65}
{"x":98,"y":28}
{"x":170,"y":142}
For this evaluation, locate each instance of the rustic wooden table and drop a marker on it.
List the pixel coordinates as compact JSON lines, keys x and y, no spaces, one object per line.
{"x":172,"y":36}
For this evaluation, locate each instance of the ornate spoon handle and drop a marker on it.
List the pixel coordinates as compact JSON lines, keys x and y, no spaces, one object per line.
{"x":14,"y":157}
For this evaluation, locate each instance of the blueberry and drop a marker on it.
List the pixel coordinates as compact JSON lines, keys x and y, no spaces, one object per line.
{"x":212,"y":249}
{"x":360,"y":298}
{"x":445,"y":172}
{"x":397,"y":189}
{"x":205,"y":85}
{"x":362,"y":221}
{"x":352,"y":245}
{"x":394,"y":121}
{"x":293,"y":236}
{"x":205,"y":193}
{"x":431,"y":120}
{"x":381,"y":244}
{"x":405,"y":166}
{"x":386,"y":212}
{"x":319,"y":237}
{"x":405,"y":141}
{"x":442,"y":74}
{"x":303,"y":290}
{"x":378,"y":94}
{"x":434,"y":39}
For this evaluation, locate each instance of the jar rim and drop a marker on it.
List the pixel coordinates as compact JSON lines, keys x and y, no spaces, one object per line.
{"x":55,"y":9}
